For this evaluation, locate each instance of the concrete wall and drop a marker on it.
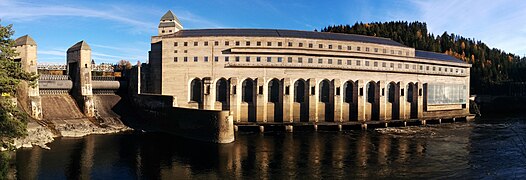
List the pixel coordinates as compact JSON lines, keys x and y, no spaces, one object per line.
{"x":29,"y":96}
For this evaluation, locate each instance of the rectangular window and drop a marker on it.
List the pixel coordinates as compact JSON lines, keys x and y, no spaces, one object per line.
{"x":329,"y":61}
{"x":392,"y":65}
{"x":407,"y":66}
{"x":280,"y":59}
{"x":337,"y":91}
{"x":269,"y":43}
{"x":206,"y":43}
{"x":399,"y":66}
{"x":175,"y":59}
{"x":227,"y":59}
{"x":287,"y":90}
{"x":392,"y":51}
{"x":340,"y":47}
{"x":320,"y":46}
{"x":300,"y":60}
{"x":349,"y":48}
{"x":399,"y":52}
{"x":237,"y":58}
{"x":367,"y":49}
{"x":375,"y":50}
{"x":313,"y":90}
{"x":300,"y":45}
{"x":216,"y":59}
{"x":445,"y":69}
{"x":196,"y":43}
{"x":439,"y":68}
{"x":185,"y":59}
{"x":366,"y":63}
{"x":175,"y":43}
{"x":358,"y":48}
{"x":427,"y":68}
{"x":320,"y":61}
{"x":196,"y":59}
{"x":358,"y":63}
{"x":385,"y":51}
{"x":434,"y":68}
{"x":260,"y":90}
{"x":269,"y":59}
{"x":384,"y":64}
{"x":248,"y":43}
{"x":289,"y":59}
{"x":234,"y":89}
{"x":310,"y":60}
{"x":258,"y":43}
{"x":258,"y":59}
{"x":206,"y":59}
{"x":216,"y":43}
{"x":414,"y":67}
{"x":421,"y":67}
{"x":310,"y":45}
{"x":290,"y":44}
{"x":339,"y":62}
{"x":185,"y":43}
{"x":375,"y":64}
{"x":237,"y":43}
{"x":227,"y":43}
{"x":349,"y":62}
{"x":247,"y":58}
{"x":175,"y":51}
{"x":280,"y":44}
{"x":330,"y":46}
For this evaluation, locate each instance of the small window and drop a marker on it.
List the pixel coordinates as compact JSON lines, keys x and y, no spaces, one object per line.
{"x":421,"y":67}
{"x":247,"y":58}
{"x":434,"y":68}
{"x":367,"y":49}
{"x":384,"y":51}
{"x":247,"y":43}
{"x":451,"y":70}
{"x":258,"y":59}
{"x":349,"y":48}
{"x":375,"y":64}
{"x":320,"y":46}
{"x":206,"y":59}
{"x":260,"y":90}
{"x":287,"y":90}
{"x":185,"y":59}
{"x":196,"y":59}
{"x":392,"y":51}
{"x":310,"y":45}
{"x":462,"y":71}
{"x":310,"y":60}
{"x":337,"y":91}
{"x":175,"y":51}
{"x":399,"y":52}
{"x":330,"y":46}
{"x":313,"y":90}
{"x":227,"y":43}
{"x":176,"y":44}
{"x":258,"y":43}
{"x":349,"y":62}
{"x":237,"y":43}
{"x":237,"y":58}
{"x":280,"y":59}
{"x":407,"y":66}
{"x":290,"y":44}
{"x":185,"y":43}
{"x":227,"y":59}
{"x":216,"y":59}
{"x":185,"y":51}
{"x":329,"y":61}
{"x":289,"y":59}
{"x":445,"y":69}
{"x":269,"y":59}
{"x":269,"y":43}
{"x":234,"y":89}
{"x":439,"y":68}
{"x":206,"y":43}
{"x":375,"y":50}
{"x":427,"y":68}
{"x":196,"y":43}
{"x":358,"y":48}
{"x":300,"y":45}
{"x":175,"y":59}
{"x":339,"y":62}
{"x":414,"y":67}
{"x":391,"y":65}
{"x":340,"y":47}
{"x":358,"y":63}
{"x":280,"y":44}
{"x":399,"y":66}
{"x":300,"y":60}
{"x":384,"y":64}
{"x":366,"y":63}
{"x":320,"y":61}
{"x":216,"y":43}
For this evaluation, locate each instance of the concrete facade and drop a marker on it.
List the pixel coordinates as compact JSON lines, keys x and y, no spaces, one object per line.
{"x":79,"y":70}
{"x":29,"y":96}
{"x":304,"y":79}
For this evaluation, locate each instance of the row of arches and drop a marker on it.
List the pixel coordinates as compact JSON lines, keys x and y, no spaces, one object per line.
{"x":302,"y":95}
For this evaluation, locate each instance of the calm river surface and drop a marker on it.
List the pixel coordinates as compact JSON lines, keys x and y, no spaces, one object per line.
{"x":482,"y":149}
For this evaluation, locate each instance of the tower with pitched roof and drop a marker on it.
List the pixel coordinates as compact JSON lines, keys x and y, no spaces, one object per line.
{"x":169,"y":24}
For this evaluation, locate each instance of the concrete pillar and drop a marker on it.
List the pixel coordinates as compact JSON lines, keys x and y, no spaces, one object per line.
{"x":288,"y":99}
{"x":361,"y":100}
{"x":420,"y":87}
{"x":79,"y":68}
{"x":383,"y":100}
{"x":338,"y":100}
{"x":208,"y":98}
{"x":235,"y":94}
{"x":29,"y":96}
{"x":261,"y":100}
{"x":313,"y":99}
{"x":403,"y":100}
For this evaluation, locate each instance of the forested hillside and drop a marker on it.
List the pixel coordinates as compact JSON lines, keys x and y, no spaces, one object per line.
{"x":491,"y":67}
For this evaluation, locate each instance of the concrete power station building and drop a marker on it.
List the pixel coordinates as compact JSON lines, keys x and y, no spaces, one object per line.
{"x":283,"y":76}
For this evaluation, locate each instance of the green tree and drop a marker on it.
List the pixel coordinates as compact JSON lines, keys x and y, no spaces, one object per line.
{"x":13,"y":122}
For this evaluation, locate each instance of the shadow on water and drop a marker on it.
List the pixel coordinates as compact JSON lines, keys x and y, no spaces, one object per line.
{"x":481,"y":150}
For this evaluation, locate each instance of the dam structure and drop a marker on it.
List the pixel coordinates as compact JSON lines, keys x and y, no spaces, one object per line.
{"x":289,"y":77}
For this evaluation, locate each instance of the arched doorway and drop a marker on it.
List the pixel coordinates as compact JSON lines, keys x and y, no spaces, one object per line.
{"x":223,"y":94}
{"x":351,"y":97}
{"x":249,"y":96}
{"x":196,"y":92}
{"x":412,"y":98}
{"x":275,"y":95}
{"x":327,"y":98}
{"x":373,"y":98}
{"x":301,"y":96}
{"x":393,"y":97}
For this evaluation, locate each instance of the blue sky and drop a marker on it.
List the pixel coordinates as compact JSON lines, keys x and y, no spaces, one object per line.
{"x":121,"y":29}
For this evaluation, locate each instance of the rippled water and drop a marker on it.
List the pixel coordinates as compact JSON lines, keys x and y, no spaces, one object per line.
{"x":481,"y":149}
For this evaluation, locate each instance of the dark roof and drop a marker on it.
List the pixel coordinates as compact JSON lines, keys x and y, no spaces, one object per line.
{"x":436,"y":56}
{"x":284,"y":33}
{"x":82,"y":45}
{"x":25,"y":40}
{"x":170,"y":16}
{"x":166,"y":24}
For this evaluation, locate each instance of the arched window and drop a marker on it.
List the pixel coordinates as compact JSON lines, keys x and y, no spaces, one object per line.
{"x":349,"y":94}
{"x":273,"y":89}
{"x":410,"y":92}
{"x":299,"y":91}
{"x":324,"y":91}
{"x":196,"y":92}
{"x":371,"y":88}
{"x":248,"y":90}
{"x":391,"y":89}
{"x":221,"y":90}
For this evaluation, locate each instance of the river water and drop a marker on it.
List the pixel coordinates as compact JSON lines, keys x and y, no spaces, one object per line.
{"x":481,"y":149}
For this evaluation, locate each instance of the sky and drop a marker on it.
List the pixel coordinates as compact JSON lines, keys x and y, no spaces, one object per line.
{"x":122,"y":29}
